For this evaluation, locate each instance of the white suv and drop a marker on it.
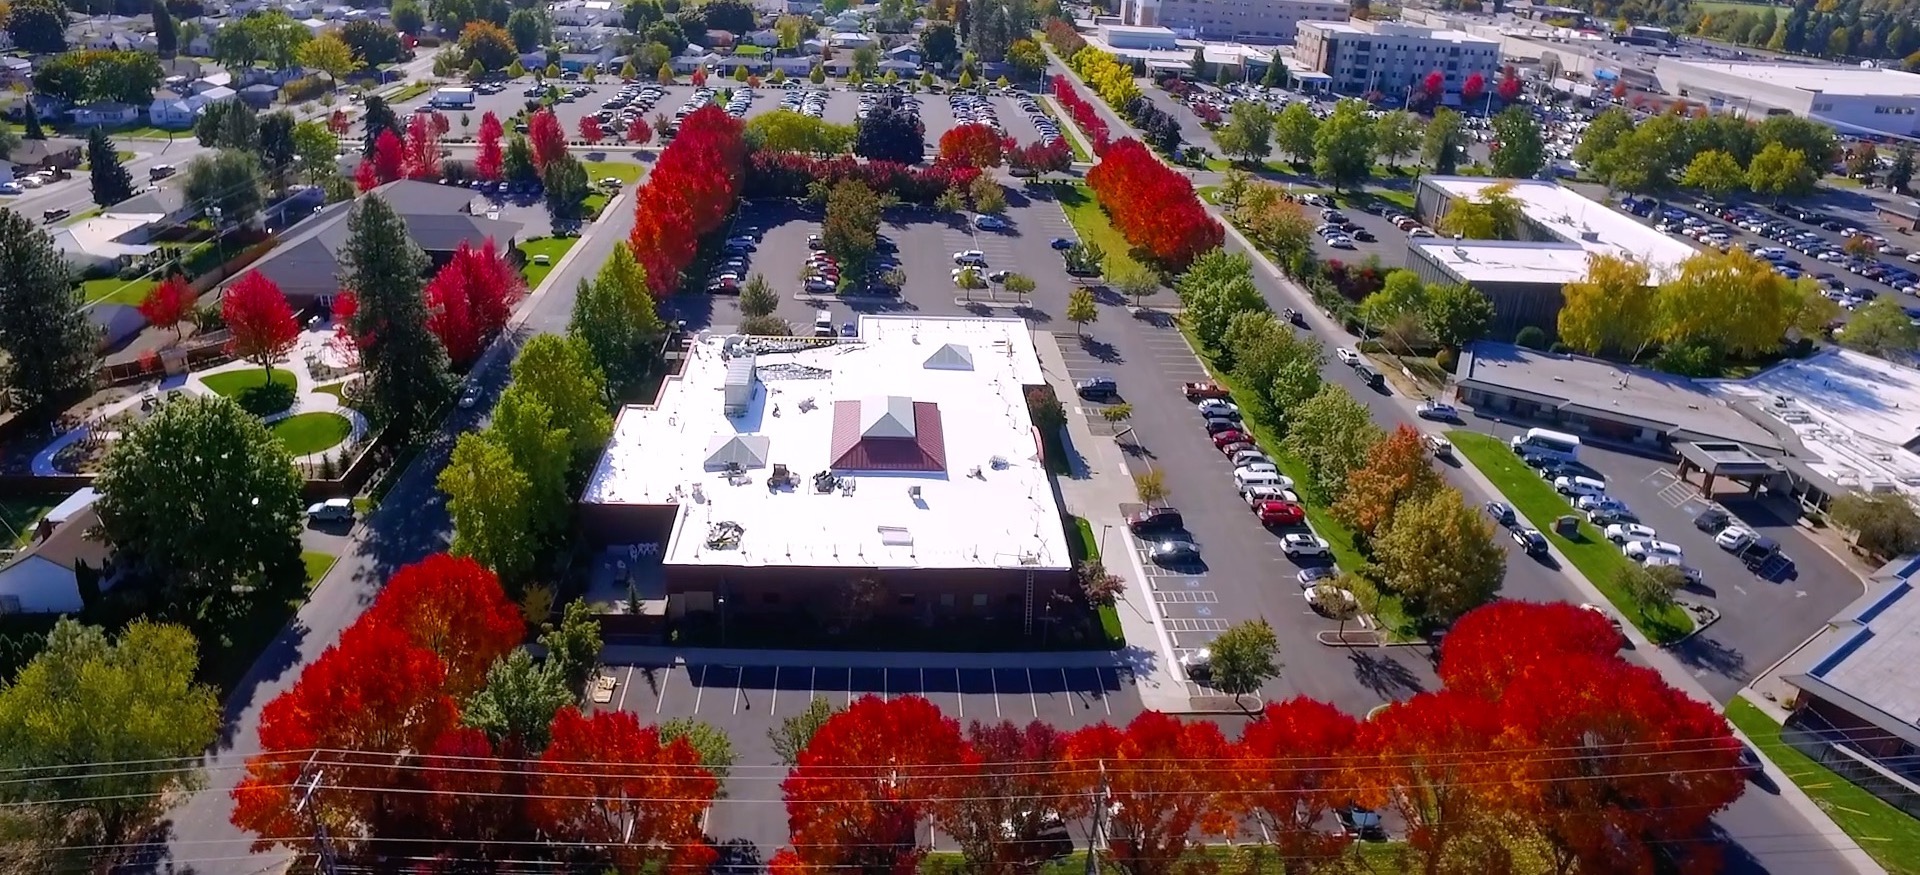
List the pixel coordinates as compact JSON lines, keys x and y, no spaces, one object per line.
{"x":1641,"y":551}
{"x":1303,"y":545}
{"x":1620,"y":533}
{"x":1346,"y":356}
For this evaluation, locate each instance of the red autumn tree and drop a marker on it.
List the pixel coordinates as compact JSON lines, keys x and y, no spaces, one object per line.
{"x":1158,"y":813}
{"x":1000,"y":809}
{"x":489,"y":157}
{"x":471,"y":794}
{"x":440,"y":123}
{"x":423,"y":147}
{"x":1435,"y":759}
{"x":590,"y":130}
{"x":638,"y":132}
{"x":870,"y":774}
{"x":972,"y":145}
{"x":1509,"y":87}
{"x":389,"y":157}
{"x":1291,"y":772}
{"x":699,"y":78}
{"x":365,"y":178}
{"x":1152,"y":205}
{"x":262,"y":324}
{"x":470,"y":299}
{"x":374,"y":692}
{"x":546,"y":138}
{"x":455,"y":608}
{"x":1619,"y":90}
{"x":606,"y":780}
{"x":1475,"y":86}
{"x":1434,"y":84}
{"x":167,"y":304}
{"x":690,"y":191}
{"x":339,"y":123}
{"x":1491,"y":645}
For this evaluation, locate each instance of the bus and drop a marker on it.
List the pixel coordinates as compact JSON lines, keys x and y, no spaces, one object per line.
{"x":1540,"y":441}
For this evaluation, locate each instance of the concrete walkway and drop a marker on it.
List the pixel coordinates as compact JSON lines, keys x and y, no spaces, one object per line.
{"x":306,"y":399}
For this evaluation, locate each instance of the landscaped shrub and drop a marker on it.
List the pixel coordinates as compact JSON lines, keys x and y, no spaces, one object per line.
{"x":1531,"y":337}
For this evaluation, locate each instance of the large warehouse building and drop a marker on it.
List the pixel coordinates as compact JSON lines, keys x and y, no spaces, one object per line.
{"x":1256,"y":21}
{"x":776,"y":475}
{"x":1524,"y":277}
{"x":1854,"y":100}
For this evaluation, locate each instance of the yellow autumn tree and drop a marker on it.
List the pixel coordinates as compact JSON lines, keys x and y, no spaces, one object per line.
{"x":1612,"y":308}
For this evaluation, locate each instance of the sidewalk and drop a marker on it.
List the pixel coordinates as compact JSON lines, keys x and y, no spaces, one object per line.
{"x":1098,"y":486}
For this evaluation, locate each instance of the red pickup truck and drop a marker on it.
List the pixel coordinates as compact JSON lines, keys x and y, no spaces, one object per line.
{"x":1200,"y":391}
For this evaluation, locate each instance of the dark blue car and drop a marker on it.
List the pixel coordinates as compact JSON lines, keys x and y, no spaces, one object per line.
{"x":1062,"y":243}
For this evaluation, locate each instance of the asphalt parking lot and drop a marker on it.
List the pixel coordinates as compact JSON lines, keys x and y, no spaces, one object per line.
{"x":1389,"y":244}
{"x":1763,"y":618}
{"x":1845,"y":208}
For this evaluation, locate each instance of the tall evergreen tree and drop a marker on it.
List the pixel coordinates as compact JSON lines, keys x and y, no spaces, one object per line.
{"x":34,"y":131}
{"x":111,"y":182}
{"x":165,"y":37}
{"x":405,"y":364}
{"x":48,"y":341}
{"x":379,"y":117}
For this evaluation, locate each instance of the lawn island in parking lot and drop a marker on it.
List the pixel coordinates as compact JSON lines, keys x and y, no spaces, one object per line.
{"x":882,"y":489}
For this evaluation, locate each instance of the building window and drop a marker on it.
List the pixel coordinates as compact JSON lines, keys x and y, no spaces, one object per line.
{"x":946,"y":600}
{"x":979,"y":599}
{"x":908,"y":600}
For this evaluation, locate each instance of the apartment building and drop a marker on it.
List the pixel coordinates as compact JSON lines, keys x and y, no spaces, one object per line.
{"x":1391,"y":57}
{"x":1255,"y":21}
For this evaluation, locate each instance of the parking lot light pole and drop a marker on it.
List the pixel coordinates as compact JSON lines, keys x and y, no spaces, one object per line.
{"x":1104,"y":529}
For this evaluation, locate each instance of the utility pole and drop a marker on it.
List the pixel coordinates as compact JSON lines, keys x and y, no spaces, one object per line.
{"x":309,"y":783}
{"x":1098,"y":837}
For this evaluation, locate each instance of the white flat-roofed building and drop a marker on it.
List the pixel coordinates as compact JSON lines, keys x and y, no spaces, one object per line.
{"x":1854,"y":417}
{"x":908,"y":457}
{"x":1561,"y":229}
{"x":1392,"y":57}
{"x":1261,"y":21}
{"x":1854,"y":100}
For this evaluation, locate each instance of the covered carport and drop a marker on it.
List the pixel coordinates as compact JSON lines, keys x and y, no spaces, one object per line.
{"x":1732,"y":461}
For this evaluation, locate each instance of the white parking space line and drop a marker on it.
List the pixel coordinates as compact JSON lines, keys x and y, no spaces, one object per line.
{"x":622,"y":704}
{"x":1106,"y":695}
{"x":668,"y":678}
{"x":773,"y":700}
{"x":959,"y":695}
{"x":994,"y":677}
{"x":700,"y":690}
{"x":1066,"y":688}
{"x":1033,"y":698}
{"x":741,"y":678}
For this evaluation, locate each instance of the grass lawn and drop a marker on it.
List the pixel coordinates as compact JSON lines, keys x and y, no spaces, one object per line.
{"x":122,"y":154}
{"x":1593,"y":554}
{"x":1401,"y":199}
{"x":305,"y":433}
{"x":1089,"y":548}
{"x":628,"y":172}
{"x":317,"y":565}
{"x":337,"y":390}
{"x":146,"y":132}
{"x":114,"y":290}
{"x":552,"y":247}
{"x":1091,"y":224}
{"x":1080,"y":155}
{"x":1886,"y":833}
{"x":18,"y":516}
{"x":1222,"y":165}
{"x":408,"y":92}
{"x":79,"y":217}
{"x":1718,"y":6}
{"x":595,"y":203}
{"x":232,"y":383}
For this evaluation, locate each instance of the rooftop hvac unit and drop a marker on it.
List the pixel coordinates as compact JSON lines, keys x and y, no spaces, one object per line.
{"x":738,"y":387}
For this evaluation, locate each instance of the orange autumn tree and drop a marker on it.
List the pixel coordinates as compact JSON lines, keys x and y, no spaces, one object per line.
{"x":1434,"y":759}
{"x":606,"y":780}
{"x":1167,"y":785}
{"x":454,"y":607}
{"x":868,"y":777}
{"x":1292,"y":771}
{"x":1396,"y":470}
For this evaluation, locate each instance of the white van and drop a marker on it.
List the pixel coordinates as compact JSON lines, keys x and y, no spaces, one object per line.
{"x":1244,"y":478}
{"x":822,"y":323}
{"x":1579,"y":486}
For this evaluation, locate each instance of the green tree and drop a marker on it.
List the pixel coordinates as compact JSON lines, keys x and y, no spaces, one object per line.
{"x":1244,"y":658}
{"x":1445,"y":141}
{"x":1882,"y":328}
{"x":566,"y":189}
{"x":1081,"y":309}
{"x":1456,"y":314}
{"x":987,"y":195}
{"x":541,"y":448}
{"x":1651,"y":594}
{"x":488,"y":500}
{"x":1883,"y":523}
{"x":1397,"y":135}
{"x":271,"y":36}
{"x":1520,"y":152}
{"x":1900,"y":175}
{"x":1248,"y":133}
{"x":1330,"y":434}
{"x":111,"y":182}
{"x":784,"y":130}
{"x":851,"y":229}
{"x":711,"y":742}
{"x":404,"y":366}
{"x":1778,"y":171}
{"x":614,"y":316}
{"x":331,"y":55}
{"x":757,"y":297}
{"x":1215,"y":287}
{"x":408,"y":18}
{"x":1279,"y":367}
{"x":1715,"y":172}
{"x":204,"y":498}
{"x":1732,"y":301}
{"x":560,"y":373}
{"x":38,"y":26}
{"x":517,"y":705}
{"x":1439,"y":554}
{"x":228,"y":124}
{"x":314,"y":149}
{"x":794,"y":733}
{"x":86,"y":701}
{"x":229,"y":183}
{"x":47,"y":339}
{"x":573,"y":645}
{"x":1276,"y":75}
{"x":1296,"y":130}
{"x":1132,"y":281}
{"x":1402,"y":294}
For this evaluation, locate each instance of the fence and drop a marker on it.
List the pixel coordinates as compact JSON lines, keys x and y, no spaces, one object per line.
{"x":1807,"y":734}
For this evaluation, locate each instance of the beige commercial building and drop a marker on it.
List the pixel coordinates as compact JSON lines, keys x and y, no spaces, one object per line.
{"x":1260,"y":21}
{"x":1393,"y":58}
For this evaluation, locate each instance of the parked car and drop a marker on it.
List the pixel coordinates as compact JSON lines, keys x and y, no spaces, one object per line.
{"x":1279,"y":513}
{"x":1312,"y":577}
{"x":1156,"y":519}
{"x":1298,"y":546}
{"x":1174,"y":552}
{"x":1437,"y":410}
{"x":1218,"y":407}
{"x":1501,"y":512}
{"x":331,"y":510}
{"x":1639,"y":551}
{"x":1096,"y":388}
{"x":1197,"y":391}
{"x":1620,"y":533}
{"x":1531,"y":541}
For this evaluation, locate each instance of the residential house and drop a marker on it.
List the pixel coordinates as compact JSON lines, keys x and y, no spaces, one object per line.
{"x":214,"y":79}
{"x":116,"y":324}
{"x":694,"y":58}
{"x":50,"y":152}
{"x":105,"y":114}
{"x":121,"y":41}
{"x":850,"y":40}
{"x":796,"y":66}
{"x":202,"y":43}
{"x":45,"y":577}
{"x":163,"y":206}
{"x":184,"y":69}
{"x":720,"y":39}
{"x":908,"y":53}
{"x":15,"y":70}
{"x":754,"y":64}
{"x":275,"y":77}
{"x":300,"y":9}
{"x":260,"y":95}
{"x":306,"y":264}
{"x":172,"y":110}
{"x":107,"y":242}
{"x":847,"y":21}
{"x":590,"y":39}
{"x":765,"y":39}
{"x":582,"y":13}
{"x":799,"y":7}
{"x":577,"y":62}
{"x":902,"y":69}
